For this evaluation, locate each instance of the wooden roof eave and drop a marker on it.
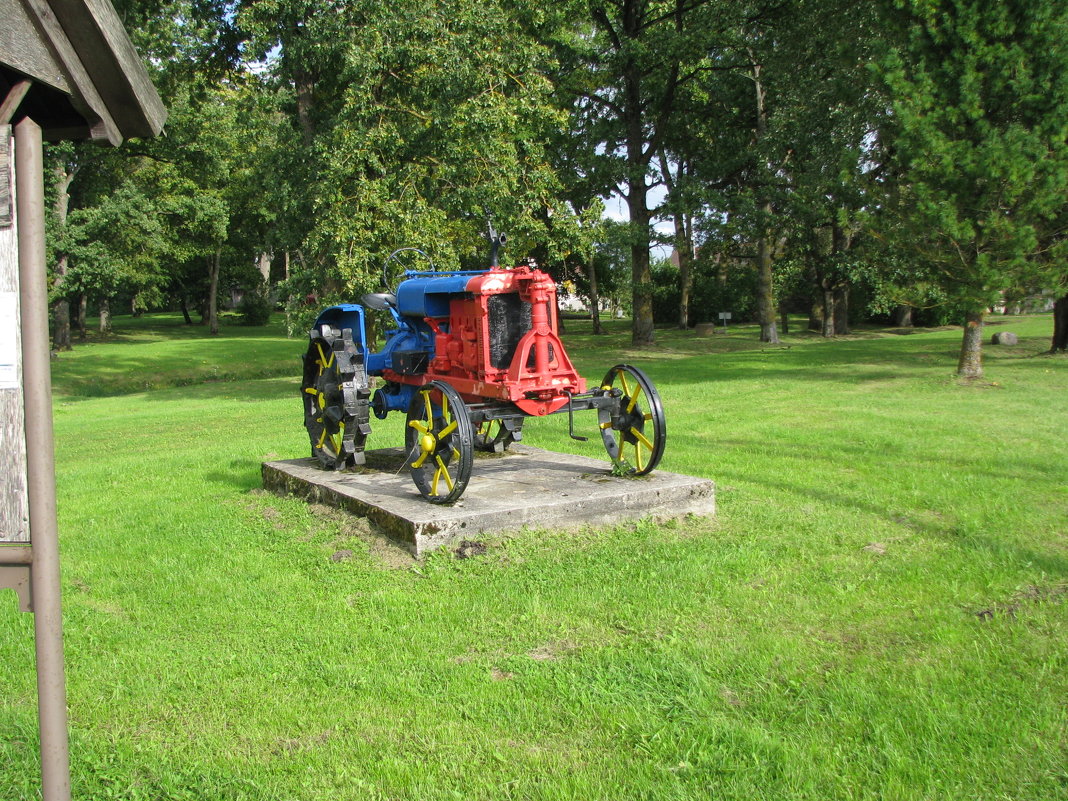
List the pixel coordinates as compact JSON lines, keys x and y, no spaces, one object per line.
{"x":99,"y":39}
{"x":84,"y":96}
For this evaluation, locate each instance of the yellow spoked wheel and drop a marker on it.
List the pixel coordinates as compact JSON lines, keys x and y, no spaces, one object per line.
{"x":633,"y":430}
{"x":494,"y":436}
{"x":438,"y":440}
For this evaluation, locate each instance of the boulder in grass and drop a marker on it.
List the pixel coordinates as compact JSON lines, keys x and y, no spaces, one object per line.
{"x":1005,"y":338}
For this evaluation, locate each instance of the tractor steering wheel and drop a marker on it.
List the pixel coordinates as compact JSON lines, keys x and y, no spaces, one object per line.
{"x":393,"y":269}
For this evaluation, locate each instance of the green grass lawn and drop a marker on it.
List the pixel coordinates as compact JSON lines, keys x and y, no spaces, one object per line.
{"x":878,"y":611}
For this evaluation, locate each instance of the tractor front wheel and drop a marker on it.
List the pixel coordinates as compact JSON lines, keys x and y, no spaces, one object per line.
{"x":633,"y":430}
{"x":439,"y":442}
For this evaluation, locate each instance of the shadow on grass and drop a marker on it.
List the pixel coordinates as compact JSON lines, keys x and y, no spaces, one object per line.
{"x":181,"y":356}
{"x":898,"y":458}
{"x":244,"y":474}
{"x":944,"y":529}
{"x":171,"y":325}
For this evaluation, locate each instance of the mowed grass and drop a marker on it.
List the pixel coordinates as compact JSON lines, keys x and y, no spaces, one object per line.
{"x":878,"y":610}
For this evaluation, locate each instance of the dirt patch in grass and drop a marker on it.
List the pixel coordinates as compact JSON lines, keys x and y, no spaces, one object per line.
{"x":1029,"y":596}
{"x":469,"y":548}
{"x":107,"y":607}
{"x":383,"y":550}
{"x":730,"y":697}
{"x":553,"y":650}
{"x":296,"y":744}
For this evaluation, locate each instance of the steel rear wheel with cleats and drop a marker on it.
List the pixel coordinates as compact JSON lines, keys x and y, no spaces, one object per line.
{"x":439,"y":441}
{"x":634,"y":432}
{"x":335,"y":390}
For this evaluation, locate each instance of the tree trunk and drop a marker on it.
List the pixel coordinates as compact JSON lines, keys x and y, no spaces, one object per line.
{"x":79,"y":319}
{"x":971,"y":349}
{"x":305,"y":101}
{"x":903,"y":316}
{"x":765,"y":287}
{"x":840,"y":241}
{"x":765,"y":291}
{"x":683,"y":223}
{"x":815,"y":312}
{"x":642,"y":333}
{"x":595,"y":296}
{"x":639,"y":153}
{"x":684,"y":247}
{"x":213,"y":292}
{"x":784,"y":319}
{"x":61,"y":309}
{"x":263,"y":264}
{"x":841,"y":309}
{"x":61,"y":313}
{"x":637,"y":205}
{"x":184,"y":303}
{"x":827,"y":328}
{"x":1060,"y":326}
{"x":105,"y":316}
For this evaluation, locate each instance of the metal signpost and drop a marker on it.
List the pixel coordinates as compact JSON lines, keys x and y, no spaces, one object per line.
{"x":724,"y":316}
{"x":29,"y":506}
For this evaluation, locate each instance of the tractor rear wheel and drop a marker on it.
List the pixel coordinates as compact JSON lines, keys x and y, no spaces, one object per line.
{"x":336,"y":393}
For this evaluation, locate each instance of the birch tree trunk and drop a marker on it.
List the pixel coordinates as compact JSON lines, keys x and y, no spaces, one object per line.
{"x":1060,"y":326}
{"x":61,"y":308}
{"x":105,"y":316}
{"x":971,"y":350}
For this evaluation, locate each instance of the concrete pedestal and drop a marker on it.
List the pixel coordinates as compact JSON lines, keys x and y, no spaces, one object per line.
{"x":523,"y":487}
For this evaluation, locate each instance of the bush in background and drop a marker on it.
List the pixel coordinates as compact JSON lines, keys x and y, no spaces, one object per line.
{"x":256,"y":307}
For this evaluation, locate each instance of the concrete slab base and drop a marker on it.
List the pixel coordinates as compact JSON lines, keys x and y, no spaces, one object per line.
{"x":525,"y":487}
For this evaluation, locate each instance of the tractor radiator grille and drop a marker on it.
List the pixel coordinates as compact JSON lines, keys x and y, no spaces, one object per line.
{"x":509,"y":319}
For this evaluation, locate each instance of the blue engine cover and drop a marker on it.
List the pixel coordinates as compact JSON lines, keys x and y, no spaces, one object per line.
{"x":420,"y":296}
{"x":430,"y":296}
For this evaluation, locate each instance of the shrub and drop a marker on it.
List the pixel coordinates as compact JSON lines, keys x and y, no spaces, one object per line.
{"x":256,"y":307}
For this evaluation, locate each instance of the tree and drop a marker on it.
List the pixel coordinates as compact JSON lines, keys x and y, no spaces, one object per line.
{"x":979,"y":98}
{"x":117,"y":244}
{"x":414,"y":121}
{"x":678,"y":176}
{"x":625,"y":74}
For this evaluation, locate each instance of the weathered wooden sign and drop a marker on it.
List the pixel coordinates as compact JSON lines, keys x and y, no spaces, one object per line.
{"x":13,"y":513}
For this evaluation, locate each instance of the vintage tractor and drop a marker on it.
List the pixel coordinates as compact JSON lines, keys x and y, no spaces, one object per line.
{"x":471,"y":356}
